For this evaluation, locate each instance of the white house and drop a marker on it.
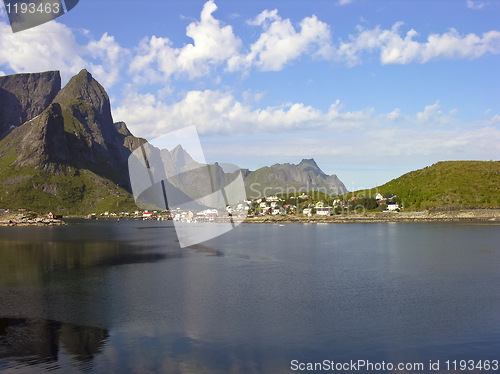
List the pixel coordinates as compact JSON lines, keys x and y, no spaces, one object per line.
{"x":392,"y":206}
{"x":324,"y":210}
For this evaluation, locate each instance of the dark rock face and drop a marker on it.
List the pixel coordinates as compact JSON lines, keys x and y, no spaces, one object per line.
{"x":25,"y":96}
{"x":42,"y":140}
{"x":88,"y":102}
{"x":96,"y":143}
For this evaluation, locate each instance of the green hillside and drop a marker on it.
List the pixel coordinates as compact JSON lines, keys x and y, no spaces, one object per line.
{"x":467,"y":184}
{"x":71,"y":191}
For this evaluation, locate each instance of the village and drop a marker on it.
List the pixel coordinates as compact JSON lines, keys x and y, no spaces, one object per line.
{"x":305,"y":205}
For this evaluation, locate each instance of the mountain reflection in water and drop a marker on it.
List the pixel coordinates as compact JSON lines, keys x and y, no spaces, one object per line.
{"x":39,"y":341}
{"x":102,"y":297}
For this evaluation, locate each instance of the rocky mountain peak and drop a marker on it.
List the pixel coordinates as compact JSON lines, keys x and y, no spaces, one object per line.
{"x":310,"y":165}
{"x":87,"y":101}
{"x":83,"y":87}
{"x":309,"y":162}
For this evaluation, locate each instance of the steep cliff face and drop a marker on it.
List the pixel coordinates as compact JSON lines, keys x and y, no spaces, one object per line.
{"x":25,"y":96}
{"x":84,"y":99}
{"x":41,"y":141}
{"x":70,"y":157}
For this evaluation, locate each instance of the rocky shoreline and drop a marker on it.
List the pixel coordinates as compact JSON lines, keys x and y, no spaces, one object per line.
{"x":22,"y":220}
{"x":483,"y":215}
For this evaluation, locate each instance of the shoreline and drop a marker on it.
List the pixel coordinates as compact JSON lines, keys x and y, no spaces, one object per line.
{"x":473,"y":215}
{"x":483,"y":215}
{"x":22,"y":220}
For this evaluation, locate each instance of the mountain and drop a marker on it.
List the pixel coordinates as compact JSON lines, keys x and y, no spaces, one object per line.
{"x":70,"y":157}
{"x":25,"y":96}
{"x":468,"y":184}
{"x":61,"y":151}
{"x":290,"y":178}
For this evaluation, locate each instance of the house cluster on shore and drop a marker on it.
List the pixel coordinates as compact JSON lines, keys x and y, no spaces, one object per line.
{"x":303,"y":204}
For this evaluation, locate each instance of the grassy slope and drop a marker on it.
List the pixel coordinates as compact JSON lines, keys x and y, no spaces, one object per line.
{"x":460,"y":183}
{"x":74,"y":192}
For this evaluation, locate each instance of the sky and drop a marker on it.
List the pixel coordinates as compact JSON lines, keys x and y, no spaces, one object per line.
{"x":369,"y":89}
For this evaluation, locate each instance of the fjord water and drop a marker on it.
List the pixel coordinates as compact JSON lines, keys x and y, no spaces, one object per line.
{"x":106,"y":296}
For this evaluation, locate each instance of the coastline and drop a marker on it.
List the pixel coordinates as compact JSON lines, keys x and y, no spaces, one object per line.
{"x":482,"y":215}
{"x":22,"y":220}
{"x":476,"y":215}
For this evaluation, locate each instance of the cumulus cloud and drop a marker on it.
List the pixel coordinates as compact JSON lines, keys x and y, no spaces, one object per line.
{"x":108,"y":50}
{"x":215,"y":47}
{"x":219,"y":112}
{"x":53,"y":46}
{"x":213,"y":44}
{"x":49,"y":46}
{"x":433,"y":115}
{"x":395,"y":48}
{"x":281,"y":43}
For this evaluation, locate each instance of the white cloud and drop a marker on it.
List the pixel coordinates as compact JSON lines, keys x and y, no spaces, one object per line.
{"x":281,"y":43}
{"x":48,"y":47}
{"x":156,"y":60}
{"x":218,"y":112}
{"x":397,"y":49}
{"x":344,"y":2}
{"x":432,"y":115}
{"x":53,"y":46}
{"x":109,"y":51}
{"x":471,"y":4}
{"x":213,"y":44}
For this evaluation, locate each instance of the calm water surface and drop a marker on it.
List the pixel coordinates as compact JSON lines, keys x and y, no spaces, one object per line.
{"x":106,"y":297}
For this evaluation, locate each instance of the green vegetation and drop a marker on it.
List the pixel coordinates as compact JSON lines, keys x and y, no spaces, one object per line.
{"x":448,"y":185}
{"x":71,"y":191}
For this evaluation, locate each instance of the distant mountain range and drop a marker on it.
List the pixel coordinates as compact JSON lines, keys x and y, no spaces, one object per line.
{"x":290,"y":178}
{"x":61,"y":151}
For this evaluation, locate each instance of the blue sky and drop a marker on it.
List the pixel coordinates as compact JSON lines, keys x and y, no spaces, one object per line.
{"x":370,"y":89}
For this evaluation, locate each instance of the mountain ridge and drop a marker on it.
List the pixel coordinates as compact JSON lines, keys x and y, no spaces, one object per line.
{"x":71,"y":156}
{"x":287,"y":178}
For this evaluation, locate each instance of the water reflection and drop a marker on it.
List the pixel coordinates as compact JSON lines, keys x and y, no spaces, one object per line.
{"x":247,"y":302}
{"x":23,"y":261}
{"x":39,"y":341}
